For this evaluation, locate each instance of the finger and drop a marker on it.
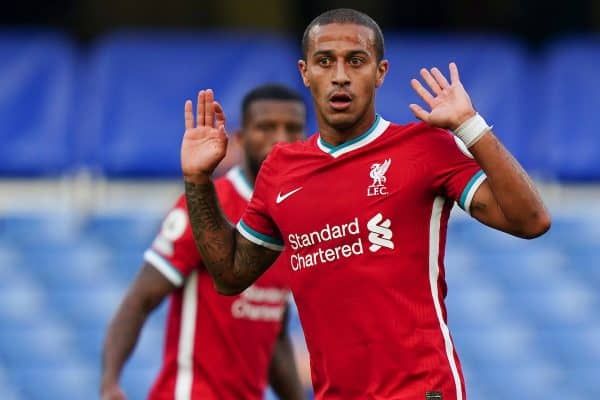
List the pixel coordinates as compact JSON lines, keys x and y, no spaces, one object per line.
{"x":188,"y":115}
{"x":435,"y":87}
{"x":440,"y":78}
{"x":200,"y":108}
{"x":222,"y":133}
{"x":419,"y":112}
{"x":454,"y":78}
{"x":209,"y":110}
{"x":219,"y":115}
{"x":422,"y":92}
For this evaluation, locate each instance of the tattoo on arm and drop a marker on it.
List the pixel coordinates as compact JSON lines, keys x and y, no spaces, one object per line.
{"x":212,"y":232}
{"x":251,"y":261}
{"x":233,"y":261}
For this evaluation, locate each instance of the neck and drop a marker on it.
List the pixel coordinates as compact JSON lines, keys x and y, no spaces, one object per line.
{"x":248,"y":172}
{"x":336,"y":136}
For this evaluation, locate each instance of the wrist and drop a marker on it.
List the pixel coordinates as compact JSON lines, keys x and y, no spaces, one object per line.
{"x":109,"y":380}
{"x":472,"y":129}
{"x":463,"y":118}
{"x":197,"y":179}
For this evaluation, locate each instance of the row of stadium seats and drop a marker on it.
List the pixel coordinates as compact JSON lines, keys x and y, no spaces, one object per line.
{"x":523,"y":313}
{"x":115,"y":108}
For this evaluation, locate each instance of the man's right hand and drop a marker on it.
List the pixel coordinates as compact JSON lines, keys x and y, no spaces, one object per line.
{"x":204,"y":142}
{"x":113,"y":392}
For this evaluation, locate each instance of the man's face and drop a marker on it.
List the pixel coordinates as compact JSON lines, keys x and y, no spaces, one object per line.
{"x":267,"y":123}
{"x":342,"y":72}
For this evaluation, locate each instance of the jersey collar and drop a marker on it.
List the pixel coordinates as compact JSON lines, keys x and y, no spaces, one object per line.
{"x":241,"y":184}
{"x":378,"y":127}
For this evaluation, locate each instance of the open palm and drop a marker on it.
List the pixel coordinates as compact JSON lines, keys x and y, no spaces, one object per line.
{"x":450,"y":103}
{"x":204,"y":142}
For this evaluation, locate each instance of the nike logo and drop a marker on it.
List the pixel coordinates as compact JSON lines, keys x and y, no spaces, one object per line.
{"x":281,"y":197}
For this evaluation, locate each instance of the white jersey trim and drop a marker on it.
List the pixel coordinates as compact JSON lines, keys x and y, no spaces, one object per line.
{"x":165,"y":267}
{"x":185,"y":352}
{"x":376,"y":130}
{"x":240,"y":182}
{"x":434,"y":272}
{"x":470,"y":189}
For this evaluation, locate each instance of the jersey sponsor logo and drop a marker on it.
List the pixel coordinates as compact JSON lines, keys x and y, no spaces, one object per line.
{"x":377,"y":173}
{"x":313,"y":248}
{"x":260,"y":304}
{"x":282,"y":197}
{"x":380,"y":233}
{"x":173,"y":227}
{"x":174,"y":224}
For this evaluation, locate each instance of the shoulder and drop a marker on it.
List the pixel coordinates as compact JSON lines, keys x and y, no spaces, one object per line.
{"x":418,"y":130}
{"x":284,"y":155}
{"x":423,"y":134}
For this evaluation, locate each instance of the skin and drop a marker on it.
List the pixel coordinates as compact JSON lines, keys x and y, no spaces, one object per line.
{"x":507,"y":200}
{"x":266,"y":123}
{"x":341,"y":58}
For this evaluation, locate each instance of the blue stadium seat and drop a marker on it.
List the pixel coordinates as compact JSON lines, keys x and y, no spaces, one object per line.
{"x":571,"y":101}
{"x":139,"y":82}
{"x":122,"y":232}
{"x":38,"y":82}
{"x":8,"y":389}
{"x":71,"y":268}
{"x":87,"y":309}
{"x":22,"y":229}
{"x":71,"y":380}
{"x":48,"y":343}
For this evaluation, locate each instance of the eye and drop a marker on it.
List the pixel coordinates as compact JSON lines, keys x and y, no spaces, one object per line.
{"x":324,"y":61}
{"x":355,"y":61}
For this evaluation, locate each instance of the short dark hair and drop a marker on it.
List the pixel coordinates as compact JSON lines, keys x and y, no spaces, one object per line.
{"x":269,"y":91}
{"x":346,"y":16}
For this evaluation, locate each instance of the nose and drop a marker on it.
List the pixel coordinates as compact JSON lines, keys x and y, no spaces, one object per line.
{"x":280,"y":134}
{"x":340,"y":77}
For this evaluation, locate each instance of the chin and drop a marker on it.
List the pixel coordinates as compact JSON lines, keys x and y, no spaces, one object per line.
{"x":341,"y":121}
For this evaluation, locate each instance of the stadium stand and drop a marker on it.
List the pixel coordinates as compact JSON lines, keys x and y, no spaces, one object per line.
{"x":139,"y":82}
{"x":570,"y":103}
{"x":523,"y":313}
{"x":38,"y":83}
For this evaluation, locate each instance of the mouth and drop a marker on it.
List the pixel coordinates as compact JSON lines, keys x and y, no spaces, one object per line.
{"x":340,"y":101}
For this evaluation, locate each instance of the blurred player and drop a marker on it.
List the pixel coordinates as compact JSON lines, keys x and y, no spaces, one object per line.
{"x":216,"y":347}
{"x":360,"y":211}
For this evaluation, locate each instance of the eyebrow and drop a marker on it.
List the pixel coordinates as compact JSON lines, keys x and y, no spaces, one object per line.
{"x":331,"y":52}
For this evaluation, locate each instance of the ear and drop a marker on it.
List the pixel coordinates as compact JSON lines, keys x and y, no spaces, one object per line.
{"x":382,"y":69}
{"x":302,"y":66}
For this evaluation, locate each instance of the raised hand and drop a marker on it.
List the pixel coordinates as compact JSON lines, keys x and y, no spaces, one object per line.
{"x":450,"y":104}
{"x":204,"y":142}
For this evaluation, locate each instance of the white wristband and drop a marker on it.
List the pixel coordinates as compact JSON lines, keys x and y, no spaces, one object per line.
{"x":472,"y":130}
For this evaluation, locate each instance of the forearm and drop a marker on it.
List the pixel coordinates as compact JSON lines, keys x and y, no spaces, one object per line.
{"x":121,"y":338}
{"x":233,"y":267}
{"x":513,"y":189}
{"x":283,"y":375}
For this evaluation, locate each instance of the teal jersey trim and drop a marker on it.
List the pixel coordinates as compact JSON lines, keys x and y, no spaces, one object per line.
{"x":467,"y":189}
{"x":333,"y":149}
{"x":260,"y":236}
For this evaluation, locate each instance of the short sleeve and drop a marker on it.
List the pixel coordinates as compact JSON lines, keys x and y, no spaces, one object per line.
{"x":173,"y":251}
{"x":256,"y":224}
{"x":457,"y":175}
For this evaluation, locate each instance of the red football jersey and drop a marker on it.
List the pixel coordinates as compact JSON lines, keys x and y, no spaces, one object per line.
{"x":362,"y":227}
{"x":216,"y":347}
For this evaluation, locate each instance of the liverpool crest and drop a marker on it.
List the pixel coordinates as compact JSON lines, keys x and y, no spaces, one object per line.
{"x":377,"y":173}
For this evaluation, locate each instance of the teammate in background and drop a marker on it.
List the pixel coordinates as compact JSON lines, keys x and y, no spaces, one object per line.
{"x":216,"y":347}
{"x":360,"y":211}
